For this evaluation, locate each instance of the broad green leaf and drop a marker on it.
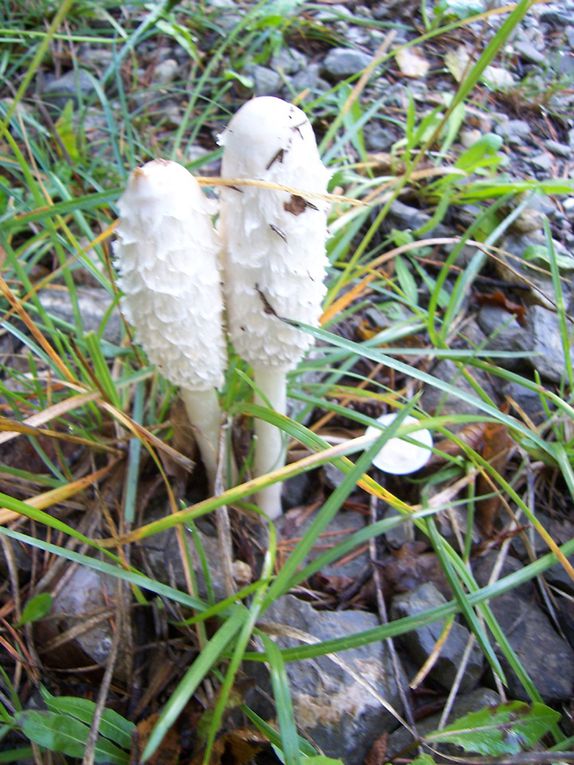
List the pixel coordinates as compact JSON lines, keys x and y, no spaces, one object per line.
{"x":322,"y":760}
{"x":112,"y":725}
{"x":406,"y":280}
{"x":66,"y":131}
{"x":505,"y":729}
{"x":36,"y":608}
{"x":60,"y":733}
{"x":540,"y":252}
{"x":474,"y":157}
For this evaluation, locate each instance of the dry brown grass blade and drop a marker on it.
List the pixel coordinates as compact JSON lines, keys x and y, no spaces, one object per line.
{"x":253,"y":485}
{"x":36,"y":333}
{"x":62,"y":493}
{"x":51,"y":413}
{"x":334,"y":198}
{"x":433,"y":656}
{"x":15,"y":428}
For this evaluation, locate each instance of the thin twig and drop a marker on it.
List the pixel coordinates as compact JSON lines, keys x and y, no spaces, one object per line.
{"x":89,"y":754}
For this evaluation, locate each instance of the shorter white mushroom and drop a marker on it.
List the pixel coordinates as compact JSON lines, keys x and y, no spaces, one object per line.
{"x":167,"y":257}
{"x":399,"y":456}
{"x":275,"y":261}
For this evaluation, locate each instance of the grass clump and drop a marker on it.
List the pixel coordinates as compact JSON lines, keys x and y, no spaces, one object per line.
{"x":94,"y":471}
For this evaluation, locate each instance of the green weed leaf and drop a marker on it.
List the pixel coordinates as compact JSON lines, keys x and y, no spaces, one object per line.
{"x":36,"y":608}
{"x":60,"y":733}
{"x":505,"y":729}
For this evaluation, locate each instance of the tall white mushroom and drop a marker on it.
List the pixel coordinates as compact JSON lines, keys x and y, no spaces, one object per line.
{"x":167,"y":256}
{"x":274,"y":255}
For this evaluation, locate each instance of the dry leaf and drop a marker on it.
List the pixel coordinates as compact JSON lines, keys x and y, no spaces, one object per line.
{"x":377,"y":754}
{"x":167,"y":754}
{"x":458,"y":62}
{"x":412,"y":63}
{"x":496,"y":450}
{"x":498,"y":298}
{"x":238,"y":747}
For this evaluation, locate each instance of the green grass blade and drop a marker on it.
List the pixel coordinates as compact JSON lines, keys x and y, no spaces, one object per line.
{"x":195,"y":675}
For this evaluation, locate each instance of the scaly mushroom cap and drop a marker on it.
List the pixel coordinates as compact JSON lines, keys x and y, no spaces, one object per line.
{"x":167,"y":257}
{"x":274,"y":244}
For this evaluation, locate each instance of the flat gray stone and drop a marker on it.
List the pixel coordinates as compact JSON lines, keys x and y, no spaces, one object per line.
{"x":93,"y":303}
{"x":266,"y":81}
{"x":559,"y":149}
{"x":421,"y":642}
{"x":503,"y":333}
{"x":514,"y":131}
{"x":288,"y":61}
{"x":340,"y":63}
{"x":544,"y":329}
{"x":332,"y":707}
{"x":527,"y":51}
{"x":75,"y":85}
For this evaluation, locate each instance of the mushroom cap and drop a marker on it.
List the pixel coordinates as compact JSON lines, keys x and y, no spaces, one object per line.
{"x":274,"y":240}
{"x":167,"y":257}
{"x":400,"y":457}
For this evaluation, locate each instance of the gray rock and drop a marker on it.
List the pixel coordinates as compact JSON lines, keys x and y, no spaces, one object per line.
{"x":539,"y":341}
{"x":379,"y":136}
{"x":408,"y":217}
{"x":554,"y":17}
{"x":471,"y":702}
{"x":93,"y":303}
{"x":514,"y":131}
{"x":547,"y":658}
{"x":421,"y":642}
{"x":544,"y":328}
{"x":76,"y":86}
{"x":288,"y":61}
{"x":161,"y":556}
{"x":340,"y":63}
{"x":84,"y":597}
{"x":528,"y":52}
{"x":528,"y":401}
{"x":542,"y":161}
{"x":439,"y":402}
{"x":342,"y":526}
{"x":98,"y":58}
{"x":309,"y":78}
{"x":517,"y":270}
{"x":266,"y":82}
{"x":559,"y":149}
{"x":331,"y":706}
{"x":504,"y":333}
{"x":166,"y":71}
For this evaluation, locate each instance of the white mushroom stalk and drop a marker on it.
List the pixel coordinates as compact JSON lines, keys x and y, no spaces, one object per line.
{"x":167,"y":256}
{"x":275,"y":261}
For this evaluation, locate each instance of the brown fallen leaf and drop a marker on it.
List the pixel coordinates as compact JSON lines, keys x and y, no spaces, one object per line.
{"x":499,"y":299}
{"x":167,"y":754}
{"x":237,"y":747}
{"x":377,"y":754}
{"x":496,"y":449}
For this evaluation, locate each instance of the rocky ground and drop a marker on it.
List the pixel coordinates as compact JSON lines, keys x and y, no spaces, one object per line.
{"x":526,"y":99}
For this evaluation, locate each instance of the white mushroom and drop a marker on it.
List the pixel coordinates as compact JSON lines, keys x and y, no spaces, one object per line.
{"x":275,"y":261}
{"x":167,"y":256}
{"x":399,"y":456}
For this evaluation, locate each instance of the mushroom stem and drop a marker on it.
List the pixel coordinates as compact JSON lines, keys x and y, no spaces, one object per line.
{"x":270,"y":447}
{"x":204,"y":414}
